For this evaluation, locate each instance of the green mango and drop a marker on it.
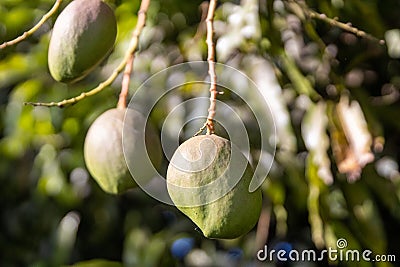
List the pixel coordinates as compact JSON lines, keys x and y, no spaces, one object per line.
{"x":104,"y":150}
{"x":208,"y":180}
{"x":83,"y":34}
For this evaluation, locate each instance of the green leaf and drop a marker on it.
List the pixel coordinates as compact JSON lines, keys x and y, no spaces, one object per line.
{"x":97,"y":263}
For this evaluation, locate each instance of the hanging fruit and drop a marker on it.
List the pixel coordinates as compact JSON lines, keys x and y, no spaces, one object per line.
{"x":104,"y":151}
{"x":220,"y":203}
{"x":83,"y":34}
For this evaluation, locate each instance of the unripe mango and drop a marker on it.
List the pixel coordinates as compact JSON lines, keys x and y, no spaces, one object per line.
{"x":104,"y":151}
{"x":83,"y":34}
{"x":210,"y":185}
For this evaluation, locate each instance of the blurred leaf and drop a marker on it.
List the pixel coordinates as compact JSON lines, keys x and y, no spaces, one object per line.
{"x":97,"y":263}
{"x":300,"y":83}
{"x":384,"y":190}
{"x":264,"y":76}
{"x":351,"y":139}
{"x":316,"y":185}
{"x":316,"y":140}
{"x":141,"y":249}
{"x":342,"y":231}
{"x":366,"y":224}
{"x":314,"y":76}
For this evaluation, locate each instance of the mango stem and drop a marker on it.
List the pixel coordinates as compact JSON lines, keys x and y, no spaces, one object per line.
{"x":123,"y":95}
{"x":211,"y":66}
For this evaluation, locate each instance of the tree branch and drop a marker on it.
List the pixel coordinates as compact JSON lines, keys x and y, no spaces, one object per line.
{"x":127,"y":58}
{"x":334,"y":22}
{"x":34,"y":28}
{"x":125,"y":83}
{"x":211,"y":66}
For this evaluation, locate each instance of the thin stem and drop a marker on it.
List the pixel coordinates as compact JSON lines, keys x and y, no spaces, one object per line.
{"x":334,"y":22}
{"x":34,"y":28}
{"x":125,"y":83}
{"x":201,"y":129}
{"x":263,"y":226}
{"x":211,"y":67}
{"x":344,"y":26}
{"x":128,"y":55}
{"x":202,"y":27}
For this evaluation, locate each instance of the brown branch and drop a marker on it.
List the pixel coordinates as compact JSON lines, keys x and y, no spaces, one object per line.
{"x":125,"y":83}
{"x":211,"y":67}
{"x":128,"y":55}
{"x":202,"y":27}
{"x":200,"y":130}
{"x":34,"y":28}
{"x":335,"y":22}
{"x":263,"y":226}
{"x":344,"y":26}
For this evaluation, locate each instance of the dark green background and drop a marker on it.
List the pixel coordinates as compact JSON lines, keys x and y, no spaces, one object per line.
{"x":53,"y":213}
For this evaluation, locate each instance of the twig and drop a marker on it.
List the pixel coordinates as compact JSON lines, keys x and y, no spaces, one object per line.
{"x":345,"y":26}
{"x":211,"y":67}
{"x":125,"y":83}
{"x":131,"y":50}
{"x":202,"y":27}
{"x":34,"y":28}
{"x":200,"y":130}
{"x":263,"y":226}
{"x":335,"y":22}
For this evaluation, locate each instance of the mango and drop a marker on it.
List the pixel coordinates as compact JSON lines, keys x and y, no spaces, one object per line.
{"x":104,"y":151}
{"x":208,"y":180}
{"x":83,"y":34}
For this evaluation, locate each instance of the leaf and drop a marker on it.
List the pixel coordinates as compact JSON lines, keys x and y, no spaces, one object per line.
{"x":342,"y":230}
{"x":366,"y":222}
{"x":313,"y":205}
{"x":275,"y":191}
{"x":351,"y":139}
{"x":384,"y":190}
{"x":264,"y":77}
{"x":97,"y":263}
{"x":316,"y":140}
{"x":242,"y":25}
{"x":300,"y":83}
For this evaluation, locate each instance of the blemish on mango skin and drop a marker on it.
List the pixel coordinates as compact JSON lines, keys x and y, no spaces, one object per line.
{"x":224,"y":210}
{"x":83,"y":34}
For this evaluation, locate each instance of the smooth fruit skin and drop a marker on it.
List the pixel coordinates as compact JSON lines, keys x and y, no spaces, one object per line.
{"x":104,"y":154}
{"x":83,"y":34}
{"x":228,"y":217}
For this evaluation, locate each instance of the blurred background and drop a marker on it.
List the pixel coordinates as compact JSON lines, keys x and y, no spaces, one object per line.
{"x":335,"y":100}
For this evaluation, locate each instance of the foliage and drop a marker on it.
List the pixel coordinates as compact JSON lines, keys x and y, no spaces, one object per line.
{"x":334,"y":97}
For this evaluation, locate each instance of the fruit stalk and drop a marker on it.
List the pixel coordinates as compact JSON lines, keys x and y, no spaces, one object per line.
{"x":123,"y":95}
{"x":211,"y":67}
{"x":129,"y":64}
